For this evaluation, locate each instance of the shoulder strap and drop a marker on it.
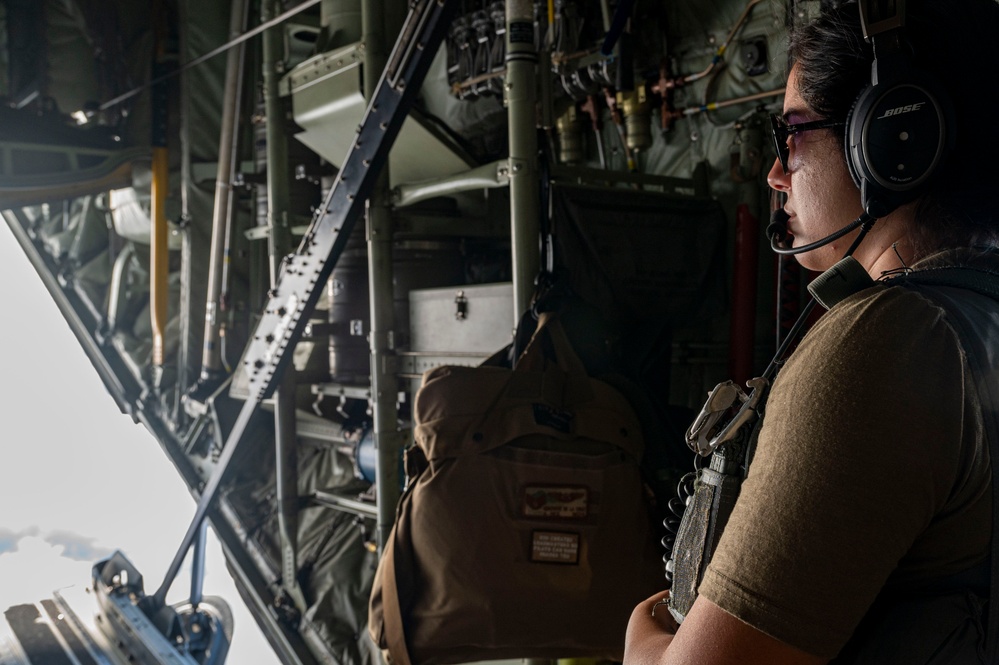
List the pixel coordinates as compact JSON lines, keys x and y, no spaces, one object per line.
{"x":395,"y":632}
{"x":979,"y":280}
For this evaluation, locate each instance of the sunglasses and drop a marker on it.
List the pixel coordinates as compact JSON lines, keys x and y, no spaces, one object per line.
{"x":782,"y":130}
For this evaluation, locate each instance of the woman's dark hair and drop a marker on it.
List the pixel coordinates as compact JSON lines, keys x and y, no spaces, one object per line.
{"x":953,"y":43}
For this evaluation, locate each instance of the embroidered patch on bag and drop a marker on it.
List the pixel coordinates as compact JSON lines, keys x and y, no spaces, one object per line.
{"x":554,"y":547}
{"x":557,"y":419}
{"x":547,"y":502}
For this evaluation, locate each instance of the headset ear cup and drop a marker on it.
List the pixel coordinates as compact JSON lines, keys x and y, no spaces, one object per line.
{"x":852,"y":146}
{"x":897,"y":136}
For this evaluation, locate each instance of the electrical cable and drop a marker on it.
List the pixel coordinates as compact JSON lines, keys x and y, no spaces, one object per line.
{"x":865,"y":222}
{"x":677,"y":506}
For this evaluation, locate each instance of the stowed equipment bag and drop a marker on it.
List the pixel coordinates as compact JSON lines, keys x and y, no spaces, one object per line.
{"x":524,"y":530}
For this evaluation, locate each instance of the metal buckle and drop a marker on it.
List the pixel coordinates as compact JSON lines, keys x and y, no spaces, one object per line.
{"x":705,"y":434}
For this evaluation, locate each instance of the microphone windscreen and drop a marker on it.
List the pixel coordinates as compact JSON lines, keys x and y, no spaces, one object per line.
{"x":777,"y":229}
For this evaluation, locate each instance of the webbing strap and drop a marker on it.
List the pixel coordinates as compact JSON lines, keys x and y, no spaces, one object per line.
{"x":395,"y":630}
{"x":979,"y":280}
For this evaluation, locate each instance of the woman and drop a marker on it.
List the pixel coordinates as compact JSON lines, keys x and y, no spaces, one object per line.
{"x":871,"y":484}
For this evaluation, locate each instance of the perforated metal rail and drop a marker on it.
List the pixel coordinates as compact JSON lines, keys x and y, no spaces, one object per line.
{"x":305,"y":272}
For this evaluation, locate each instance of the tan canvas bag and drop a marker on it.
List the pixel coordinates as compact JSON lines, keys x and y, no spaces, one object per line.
{"x":525,"y":529}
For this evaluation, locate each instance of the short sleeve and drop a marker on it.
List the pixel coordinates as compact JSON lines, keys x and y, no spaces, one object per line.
{"x":857,"y":454}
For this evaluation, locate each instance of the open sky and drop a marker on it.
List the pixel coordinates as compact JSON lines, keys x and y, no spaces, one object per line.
{"x":77,"y":478}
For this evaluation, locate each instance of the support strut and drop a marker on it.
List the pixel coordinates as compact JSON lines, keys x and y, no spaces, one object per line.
{"x":300,"y":284}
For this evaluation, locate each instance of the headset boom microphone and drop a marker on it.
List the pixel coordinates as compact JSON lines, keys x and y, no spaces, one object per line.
{"x":777,"y":232}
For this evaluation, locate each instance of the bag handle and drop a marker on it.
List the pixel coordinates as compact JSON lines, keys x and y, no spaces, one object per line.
{"x":566,"y":380}
{"x":533,"y":357}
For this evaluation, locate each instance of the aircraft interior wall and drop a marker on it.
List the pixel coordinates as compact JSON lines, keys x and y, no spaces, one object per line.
{"x":651,"y":202}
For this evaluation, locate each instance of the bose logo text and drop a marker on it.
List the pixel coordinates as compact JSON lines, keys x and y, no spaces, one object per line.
{"x":901,"y":109}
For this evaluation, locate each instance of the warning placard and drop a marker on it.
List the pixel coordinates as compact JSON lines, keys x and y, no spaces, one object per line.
{"x":555,"y":547}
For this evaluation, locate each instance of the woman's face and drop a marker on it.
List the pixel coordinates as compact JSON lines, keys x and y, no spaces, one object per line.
{"x":821,"y":196}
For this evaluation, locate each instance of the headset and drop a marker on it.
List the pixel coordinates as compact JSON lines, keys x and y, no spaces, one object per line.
{"x":901,"y":126}
{"x":899,"y":130}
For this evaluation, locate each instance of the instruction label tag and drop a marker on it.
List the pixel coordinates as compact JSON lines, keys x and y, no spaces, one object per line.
{"x":555,"y":547}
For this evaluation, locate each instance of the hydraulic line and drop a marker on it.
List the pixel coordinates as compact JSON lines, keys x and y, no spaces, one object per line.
{"x":278,"y":188}
{"x":714,"y":106}
{"x":591,"y":109}
{"x":159,"y":258}
{"x":159,"y":252}
{"x":186,"y":259}
{"x":719,"y":54}
{"x":211,"y":359}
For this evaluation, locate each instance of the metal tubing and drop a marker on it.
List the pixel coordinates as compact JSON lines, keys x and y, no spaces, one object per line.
{"x":694,"y":110}
{"x":211,"y":359}
{"x":605,"y":15}
{"x":159,"y":254}
{"x":279,"y":244}
{"x":286,"y":472}
{"x":489,"y":176}
{"x":520,"y":93}
{"x":198,"y":566}
{"x":116,"y":291}
{"x":719,"y":53}
{"x":346,"y":504}
{"x":279,"y":235}
{"x":384,"y":390}
{"x":186,"y":182}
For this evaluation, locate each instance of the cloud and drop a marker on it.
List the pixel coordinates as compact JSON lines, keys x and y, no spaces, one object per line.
{"x":9,"y":539}
{"x":77,"y":547}
{"x":74,"y":546}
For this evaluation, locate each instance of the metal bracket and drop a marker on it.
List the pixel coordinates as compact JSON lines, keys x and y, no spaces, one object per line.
{"x":460,"y":306}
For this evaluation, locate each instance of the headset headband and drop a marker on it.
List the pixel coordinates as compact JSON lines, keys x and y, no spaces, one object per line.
{"x":880,"y":16}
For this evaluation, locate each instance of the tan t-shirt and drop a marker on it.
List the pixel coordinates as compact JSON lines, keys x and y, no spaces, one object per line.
{"x":869,"y":469}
